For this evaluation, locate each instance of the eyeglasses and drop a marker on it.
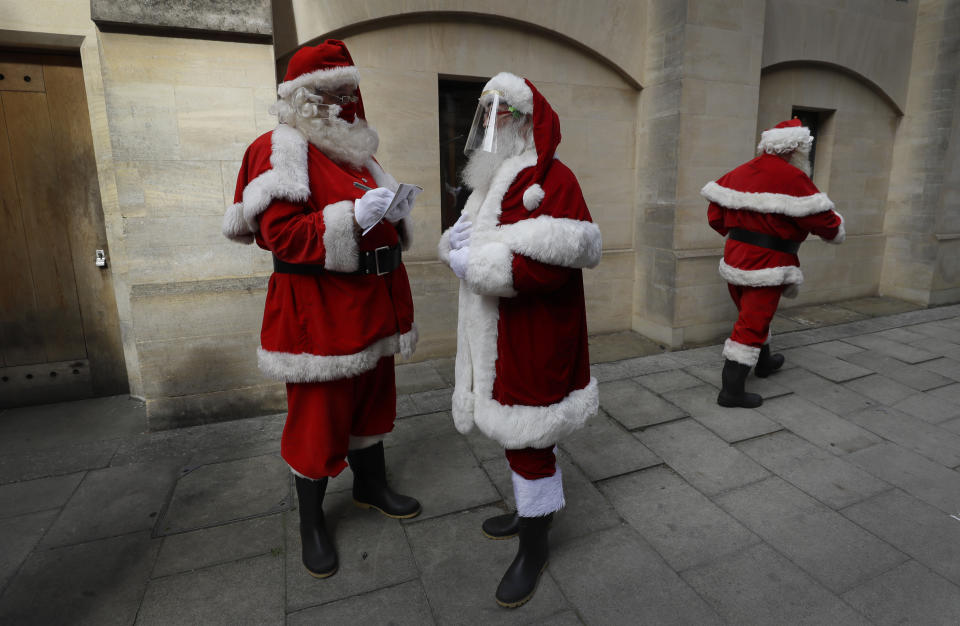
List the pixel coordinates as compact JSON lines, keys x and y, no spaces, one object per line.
{"x":340,"y":99}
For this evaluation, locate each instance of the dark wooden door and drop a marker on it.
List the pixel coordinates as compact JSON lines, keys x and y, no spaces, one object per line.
{"x":59,"y":329}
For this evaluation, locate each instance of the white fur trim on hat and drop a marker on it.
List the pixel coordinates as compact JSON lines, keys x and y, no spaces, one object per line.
{"x":765,"y":277}
{"x":532,"y":197}
{"x":781,"y":140}
{"x":490,"y":270}
{"x":342,"y":252}
{"x":307,"y":368}
{"x":539,"y":497}
{"x":762,"y":202}
{"x":331,"y":78}
{"x":740,"y":352}
{"x":514,"y":89}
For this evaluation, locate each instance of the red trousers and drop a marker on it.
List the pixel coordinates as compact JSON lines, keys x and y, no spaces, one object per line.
{"x":756,"y":307}
{"x":533,"y":463}
{"x":321,"y":417}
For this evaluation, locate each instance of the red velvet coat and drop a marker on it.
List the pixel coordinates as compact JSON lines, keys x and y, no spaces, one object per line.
{"x":768,"y":195}
{"x":523,"y":367}
{"x":298,"y":204}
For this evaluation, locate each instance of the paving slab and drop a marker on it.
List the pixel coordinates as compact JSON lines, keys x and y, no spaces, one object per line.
{"x":113,"y":501}
{"x":834,"y":397}
{"x":442,"y":473}
{"x":17,"y":466}
{"x":908,"y":594}
{"x":910,"y":375}
{"x":950,"y":393}
{"x":730,"y":424}
{"x":822,"y":314}
{"x":916,"y":528}
{"x":671,"y":380}
{"x":586,"y":510}
{"x":615,"y":574}
{"x":880,"y":389}
{"x":220,"y":544}
{"x":372,"y":549}
{"x":891,"y":348}
{"x":832,"y":368}
{"x":766,"y":387}
{"x":402,"y":605}
{"x":683,"y":525}
{"x":621,"y":345}
{"x":703,"y":459}
{"x":99,"y":582}
{"x":828,"y":478}
{"x":817,"y":425}
{"x":224,"y":492}
{"x":836,"y":348}
{"x":781,"y":324}
{"x":460,"y":570}
{"x":65,"y":424}
{"x":605,"y":372}
{"x":935,"y":330}
{"x":603,"y":448}
{"x":915,"y":474}
{"x":944,"y":366}
{"x":650,"y":364}
{"x":416,"y":377}
{"x":699,"y":356}
{"x":634,"y":406}
{"x":432,"y":401}
{"x":953,"y":425}
{"x":37,"y":495}
{"x":419,"y":427}
{"x":18,"y":536}
{"x":564,"y":618}
{"x":405,"y":406}
{"x":249,"y":591}
{"x":911,"y":433}
{"x":483,"y":447}
{"x":879,"y":305}
{"x":447,"y":369}
{"x":760,"y":586}
{"x":834,"y":551}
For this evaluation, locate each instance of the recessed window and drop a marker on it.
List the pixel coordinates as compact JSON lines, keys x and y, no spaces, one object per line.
{"x":815,"y":120}
{"x":457,"y":103}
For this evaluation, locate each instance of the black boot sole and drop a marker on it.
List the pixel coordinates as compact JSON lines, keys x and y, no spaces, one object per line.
{"x":498,"y":537}
{"x":367,"y":505}
{"x":731,"y":404}
{"x":519,"y":603}
{"x":335,"y":569}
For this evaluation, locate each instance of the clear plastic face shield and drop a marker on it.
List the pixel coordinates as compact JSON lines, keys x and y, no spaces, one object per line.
{"x":313,"y":103}
{"x":493,"y":112}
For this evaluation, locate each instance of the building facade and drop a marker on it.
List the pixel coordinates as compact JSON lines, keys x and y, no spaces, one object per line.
{"x":655,"y":97}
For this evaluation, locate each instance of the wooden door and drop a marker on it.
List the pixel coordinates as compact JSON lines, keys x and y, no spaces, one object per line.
{"x":59,"y":329}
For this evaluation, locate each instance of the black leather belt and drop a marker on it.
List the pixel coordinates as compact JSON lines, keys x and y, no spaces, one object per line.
{"x":764,"y":240}
{"x":381,"y":261}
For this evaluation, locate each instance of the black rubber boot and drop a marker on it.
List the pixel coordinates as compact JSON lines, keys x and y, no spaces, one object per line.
{"x":319,"y":553}
{"x":767,"y":363}
{"x":501,"y":526}
{"x":520,"y":582}
{"x":734,"y":378}
{"x":370,"y":489}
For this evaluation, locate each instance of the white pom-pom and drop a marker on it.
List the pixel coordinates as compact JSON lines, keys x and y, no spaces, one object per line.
{"x":533,"y":196}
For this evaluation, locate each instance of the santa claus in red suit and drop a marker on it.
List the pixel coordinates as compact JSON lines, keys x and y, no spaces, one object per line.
{"x":766,"y":208}
{"x":522,"y":366}
{"x":338,"y":304}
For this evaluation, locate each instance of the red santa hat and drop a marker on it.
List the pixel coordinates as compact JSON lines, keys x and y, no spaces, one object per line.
{"x":325,"y":66}
{"x":786,"y":136}
{"x":523,"y":96}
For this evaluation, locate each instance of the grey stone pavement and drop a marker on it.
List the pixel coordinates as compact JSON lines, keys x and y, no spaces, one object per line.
{"x":836,"y":502}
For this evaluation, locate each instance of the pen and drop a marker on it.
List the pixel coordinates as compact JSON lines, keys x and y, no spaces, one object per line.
{"x":359,"y":186}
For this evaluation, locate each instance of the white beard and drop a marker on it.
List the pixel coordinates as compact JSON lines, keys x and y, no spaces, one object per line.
{"x":340,"y":140}
{"x":800,"y":159}
{"x":482,"y":166}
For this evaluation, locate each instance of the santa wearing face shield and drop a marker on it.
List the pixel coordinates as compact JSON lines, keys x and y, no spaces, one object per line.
{"x":338,"y":303}
{"x":522,"y":366}
{"x":766,"y":208}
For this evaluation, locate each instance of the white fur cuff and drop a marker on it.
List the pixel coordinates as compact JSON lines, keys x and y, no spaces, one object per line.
{"x":443,"y":246}
{"x":408,"y":342}
{"x":339,"y":238}
{"x":490,"y":270}
{"x":234,"y":226}
{"x":462,"y":409}
{"x":741,"y":353}
{"x":555,"y":240}
{"x":841,"y":234}
{"x":536,"y":498}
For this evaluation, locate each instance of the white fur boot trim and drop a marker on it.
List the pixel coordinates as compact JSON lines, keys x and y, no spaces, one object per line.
{"x":365,"y":441}
{"x":740,"y":352}
{"x":536,"y":498}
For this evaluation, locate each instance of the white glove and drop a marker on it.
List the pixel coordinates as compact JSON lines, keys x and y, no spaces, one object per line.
{"x":460,"y":233}
{"x":400,"y":211}
{"x":458,"y":261}
{"x":369,"y":207}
